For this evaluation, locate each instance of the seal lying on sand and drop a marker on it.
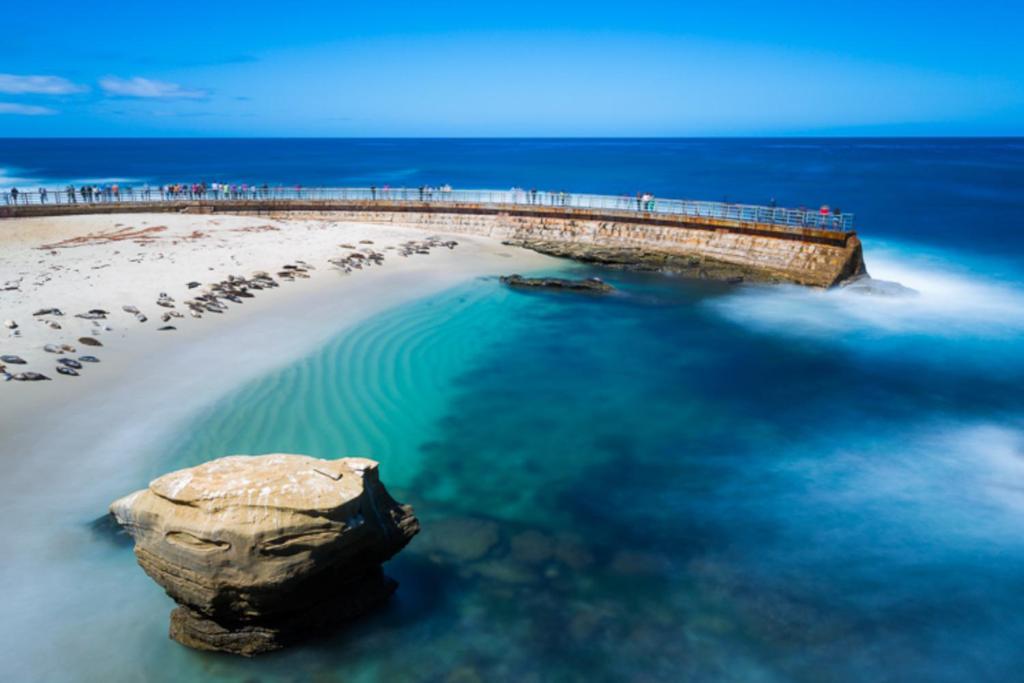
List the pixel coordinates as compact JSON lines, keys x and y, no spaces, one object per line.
{"x":30,"y":377}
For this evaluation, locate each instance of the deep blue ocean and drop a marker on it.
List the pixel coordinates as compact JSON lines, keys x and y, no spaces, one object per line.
{"x":683,"y":481}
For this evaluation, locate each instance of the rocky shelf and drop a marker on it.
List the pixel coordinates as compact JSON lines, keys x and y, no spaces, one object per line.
{"x":688,"y":265}
{"x":592,"y":284}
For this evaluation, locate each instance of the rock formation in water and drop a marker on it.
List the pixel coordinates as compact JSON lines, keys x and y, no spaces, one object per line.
{"x":869,"y":286}
{"x":591,"y":284}
{"x":259,"y":550}
{"x":688,"y":265}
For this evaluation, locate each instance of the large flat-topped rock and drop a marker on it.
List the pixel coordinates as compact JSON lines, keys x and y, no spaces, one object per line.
{"x":259,"y":549}
{"x":292,"y":482}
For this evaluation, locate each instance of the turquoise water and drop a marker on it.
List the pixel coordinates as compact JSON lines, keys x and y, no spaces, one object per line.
{"x":682,"y":481}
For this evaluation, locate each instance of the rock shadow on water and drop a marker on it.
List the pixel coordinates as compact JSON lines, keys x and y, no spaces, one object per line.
{"x":106,"y":529}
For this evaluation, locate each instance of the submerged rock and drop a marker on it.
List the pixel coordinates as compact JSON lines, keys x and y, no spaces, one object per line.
{"x":258,"y":550}
{"x":460,"y":539}
{"x":591,"y":284}
{"x":865,"y":284}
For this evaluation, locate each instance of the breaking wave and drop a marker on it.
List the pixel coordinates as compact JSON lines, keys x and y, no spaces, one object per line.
{"x":966,"y":309}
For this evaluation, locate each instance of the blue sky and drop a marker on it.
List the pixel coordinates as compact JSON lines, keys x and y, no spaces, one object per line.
{"x":513,"y":69}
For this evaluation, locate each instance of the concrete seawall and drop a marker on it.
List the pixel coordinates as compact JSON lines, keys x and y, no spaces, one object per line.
{"x":710,"y":247}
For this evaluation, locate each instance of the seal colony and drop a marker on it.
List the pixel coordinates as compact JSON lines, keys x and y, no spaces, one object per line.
{"x":53,"y":278}
{"x":260,"y":550}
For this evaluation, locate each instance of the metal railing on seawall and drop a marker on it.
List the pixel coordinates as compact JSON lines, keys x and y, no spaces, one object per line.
{"x":822,"y":219}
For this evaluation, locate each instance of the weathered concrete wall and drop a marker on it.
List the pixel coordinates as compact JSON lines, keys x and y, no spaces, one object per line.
{"x":818,"y":258}
{"x":808,"y":256}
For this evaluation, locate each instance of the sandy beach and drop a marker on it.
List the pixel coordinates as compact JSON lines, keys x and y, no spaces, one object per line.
{"x":105,"y":263}
{"x":96,"y":427}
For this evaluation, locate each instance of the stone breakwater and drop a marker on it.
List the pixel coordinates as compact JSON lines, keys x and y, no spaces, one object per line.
{"x":706,"y":249}
{"x":696,"y":246}
{"x":260,"y":550}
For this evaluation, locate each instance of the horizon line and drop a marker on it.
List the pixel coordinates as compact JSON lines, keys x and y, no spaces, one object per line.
{"x":517,"y":137}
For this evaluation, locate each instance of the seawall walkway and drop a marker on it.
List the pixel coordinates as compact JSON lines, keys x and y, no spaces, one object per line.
{"x":813,"y":247}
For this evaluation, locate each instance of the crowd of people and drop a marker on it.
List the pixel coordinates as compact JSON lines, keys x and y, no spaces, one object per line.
{"x":114,"y":192}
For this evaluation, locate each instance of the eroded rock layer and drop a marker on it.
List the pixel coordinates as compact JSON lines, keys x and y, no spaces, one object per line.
{"x":259,"y":550}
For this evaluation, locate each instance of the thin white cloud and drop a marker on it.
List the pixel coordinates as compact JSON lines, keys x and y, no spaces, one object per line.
{"x":145,"y":87}
{"x":25,"y":109}
{"x":37,"y":85}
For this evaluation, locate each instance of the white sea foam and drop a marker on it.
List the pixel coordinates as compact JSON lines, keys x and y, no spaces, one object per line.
{"x":955,"y":301}
{"x":960,"y":481}
{"x":13,"y":177}
{"x":10,"y":177}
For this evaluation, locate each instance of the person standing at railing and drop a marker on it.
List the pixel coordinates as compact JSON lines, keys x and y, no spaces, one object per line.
{"x":70,"y":192}
{"x":373,"y":191}
{"x":42,"y":195}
